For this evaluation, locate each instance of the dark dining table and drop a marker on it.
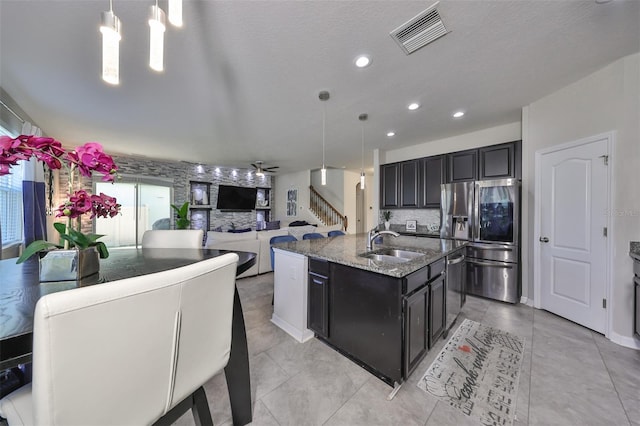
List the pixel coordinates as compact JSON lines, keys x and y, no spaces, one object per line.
{"x":20,"y":289}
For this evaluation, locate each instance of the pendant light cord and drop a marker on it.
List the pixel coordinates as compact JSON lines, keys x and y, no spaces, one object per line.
{"x":363,"y":146}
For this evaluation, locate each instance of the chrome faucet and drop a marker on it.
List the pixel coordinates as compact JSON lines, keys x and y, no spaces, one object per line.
{"x":373,"y":235}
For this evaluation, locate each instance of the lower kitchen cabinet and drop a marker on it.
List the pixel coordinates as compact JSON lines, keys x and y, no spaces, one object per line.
{"x":318,"y":297}
{"x":416,"y":317}
{"x":318,"y":301}
{"x":365,"y":319}
{"x":382,"y":323}
{"x":437,"y":309}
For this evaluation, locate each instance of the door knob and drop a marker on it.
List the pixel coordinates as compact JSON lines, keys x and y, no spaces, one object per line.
{"x":544,"y":239}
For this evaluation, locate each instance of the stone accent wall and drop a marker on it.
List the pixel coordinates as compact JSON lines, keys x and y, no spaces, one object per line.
{"x":182,"y":173}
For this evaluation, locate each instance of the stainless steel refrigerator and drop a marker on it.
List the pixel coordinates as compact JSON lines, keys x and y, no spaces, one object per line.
{"x":487,"y":214}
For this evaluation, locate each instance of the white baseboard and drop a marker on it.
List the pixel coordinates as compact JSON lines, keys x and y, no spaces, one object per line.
{"x":626,"y":341}
{"x":526,"y":301}
{"x":300,"y":335}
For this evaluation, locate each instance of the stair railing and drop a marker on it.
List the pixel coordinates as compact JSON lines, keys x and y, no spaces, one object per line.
{"x":328,"y":214}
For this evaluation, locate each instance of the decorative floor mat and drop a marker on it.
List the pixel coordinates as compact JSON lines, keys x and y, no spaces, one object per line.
{"x":477,"y":372}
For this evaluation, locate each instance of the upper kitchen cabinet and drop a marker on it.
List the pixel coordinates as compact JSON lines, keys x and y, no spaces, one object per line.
{"x":390,"y":185}
{"x":500,"y":161}
{"x":409,"y":183}
{"x":462,"y":166}
{"x":432,"y":178}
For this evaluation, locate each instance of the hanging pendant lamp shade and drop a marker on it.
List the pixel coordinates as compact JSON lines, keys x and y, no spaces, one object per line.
{"x":157,"y":26}
{"x":110,"y":29}
{"x":175,"y":12}
{"x":324,"y":95}
{"x":362,"y":118}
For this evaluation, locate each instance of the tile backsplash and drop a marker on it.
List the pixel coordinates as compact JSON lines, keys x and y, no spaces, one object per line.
{"x":427,"y":219}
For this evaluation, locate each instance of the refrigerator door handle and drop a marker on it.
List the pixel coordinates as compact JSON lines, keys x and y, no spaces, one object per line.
{"x":494,"y":264}
{"x":493,"y":247}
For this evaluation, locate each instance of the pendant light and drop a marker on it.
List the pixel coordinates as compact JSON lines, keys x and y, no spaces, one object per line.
{"x":175,"y":12}
{"x":110,"y":29}
{"x":157,"y":26}
{"x":362,"y":118}
{"x":324,"y":95}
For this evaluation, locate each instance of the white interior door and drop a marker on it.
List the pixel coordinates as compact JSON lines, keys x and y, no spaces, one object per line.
{"x":573,"y":197}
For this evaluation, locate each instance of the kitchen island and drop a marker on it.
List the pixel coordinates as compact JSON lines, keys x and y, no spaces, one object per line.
{"x":381,"y":311}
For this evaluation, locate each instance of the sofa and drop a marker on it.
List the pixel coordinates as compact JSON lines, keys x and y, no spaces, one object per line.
{"x":258,"y":242}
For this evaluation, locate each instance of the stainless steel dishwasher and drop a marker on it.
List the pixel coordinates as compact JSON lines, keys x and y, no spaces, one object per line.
{"x":456,"y":274}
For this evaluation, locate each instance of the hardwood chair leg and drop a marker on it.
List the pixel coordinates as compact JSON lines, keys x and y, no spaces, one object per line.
{"x":200,"y":408}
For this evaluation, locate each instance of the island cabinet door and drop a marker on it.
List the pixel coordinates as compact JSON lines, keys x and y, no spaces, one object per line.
{"x":437,"y":309}
{"x":416,"y":339}
{"x":318,"y":308}
{"x":365,"y":319}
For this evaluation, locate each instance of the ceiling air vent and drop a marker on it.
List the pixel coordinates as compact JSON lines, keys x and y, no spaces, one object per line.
{"x":419,"y":31}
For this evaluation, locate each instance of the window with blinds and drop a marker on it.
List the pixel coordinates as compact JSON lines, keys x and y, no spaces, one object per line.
{"x":11,"y":203}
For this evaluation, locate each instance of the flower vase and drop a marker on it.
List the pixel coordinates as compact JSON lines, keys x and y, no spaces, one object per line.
{"x":69,"y":265}
{"x":386,"y":225}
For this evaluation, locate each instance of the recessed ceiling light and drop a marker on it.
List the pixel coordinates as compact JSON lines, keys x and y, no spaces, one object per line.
{"x":414,"y":106}
{"x":458,"y":114}
{"x":362,"y":61}
{"x":391,"y":134}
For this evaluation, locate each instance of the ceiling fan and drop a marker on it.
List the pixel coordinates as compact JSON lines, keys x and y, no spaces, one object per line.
{"x":260,"y":170}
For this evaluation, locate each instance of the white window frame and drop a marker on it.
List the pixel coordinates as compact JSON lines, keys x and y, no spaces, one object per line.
{"x":11,"y":208}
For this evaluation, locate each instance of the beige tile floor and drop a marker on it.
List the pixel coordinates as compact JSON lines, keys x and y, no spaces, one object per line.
{"x":570,"y":375}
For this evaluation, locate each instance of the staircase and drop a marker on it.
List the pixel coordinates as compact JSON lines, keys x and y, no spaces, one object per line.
{"x":324,"y":211}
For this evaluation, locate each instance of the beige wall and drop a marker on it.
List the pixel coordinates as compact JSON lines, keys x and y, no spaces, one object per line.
{"x":285,"y":182}
{"x":333,"y":191}
{"x":605,"y":101}
{"x":341,"y":185}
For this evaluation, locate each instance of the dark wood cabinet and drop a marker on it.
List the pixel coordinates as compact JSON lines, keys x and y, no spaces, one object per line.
{"x":416,"y":343}
{"x":409,"y":183}
{"x":497,"y":161}
{"x":432,"y":178}
{"x":416,"y":183}
{"x":462,"y":166}
{"x":318,"y":308}
{"x":389,"y":185}
{"x":318,"y":297}
{"x":365,"y":319}
{"x":437,"y":308}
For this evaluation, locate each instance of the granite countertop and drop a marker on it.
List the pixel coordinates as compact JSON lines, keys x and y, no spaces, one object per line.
{"x":346,"y":249}
{"x":634,"y":250}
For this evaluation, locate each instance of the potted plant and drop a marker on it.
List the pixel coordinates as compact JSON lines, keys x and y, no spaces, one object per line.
{"x":386,"y":215}
{"x":82,"y":260}
{"x":182,"y":212}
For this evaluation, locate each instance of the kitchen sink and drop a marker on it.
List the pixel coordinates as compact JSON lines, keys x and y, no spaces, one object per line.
{"x":385,"y":258}
{"x":392,"y":255}
{"x":403,"y":254}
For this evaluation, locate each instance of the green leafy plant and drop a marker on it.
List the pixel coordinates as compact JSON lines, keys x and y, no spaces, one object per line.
{"x":182,"y":212}
{"x":74,"y":238}
{"x":386,"y":215}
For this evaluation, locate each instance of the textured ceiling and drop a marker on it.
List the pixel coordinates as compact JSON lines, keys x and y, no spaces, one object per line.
{"x":241,"y":78}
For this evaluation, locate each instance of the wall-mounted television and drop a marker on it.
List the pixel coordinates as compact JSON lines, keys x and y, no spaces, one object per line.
{"x":236,"y":198}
